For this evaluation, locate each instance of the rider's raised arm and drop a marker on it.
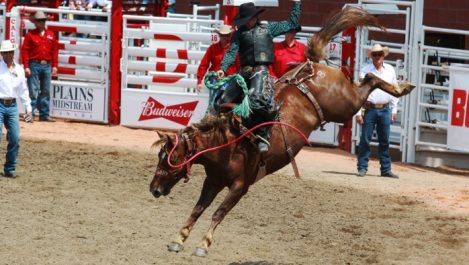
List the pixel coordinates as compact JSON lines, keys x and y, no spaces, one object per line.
{"x":277,"y":28}
{"x":230,"y":55}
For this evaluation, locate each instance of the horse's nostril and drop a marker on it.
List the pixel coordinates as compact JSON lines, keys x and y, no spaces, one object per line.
{"x":156,"y":193}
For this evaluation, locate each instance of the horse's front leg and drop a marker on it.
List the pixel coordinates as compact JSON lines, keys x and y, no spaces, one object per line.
{"x":235,"y":193}
{"x":208,"y":193}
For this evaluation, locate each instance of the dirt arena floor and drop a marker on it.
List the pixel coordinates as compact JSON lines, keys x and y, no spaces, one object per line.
{"x":82,"y":198}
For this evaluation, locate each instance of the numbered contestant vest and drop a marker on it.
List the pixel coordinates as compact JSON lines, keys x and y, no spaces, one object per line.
{"x":256,"y":46}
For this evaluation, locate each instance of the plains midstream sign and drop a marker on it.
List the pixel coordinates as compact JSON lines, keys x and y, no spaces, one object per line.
{"x":79,"y":101}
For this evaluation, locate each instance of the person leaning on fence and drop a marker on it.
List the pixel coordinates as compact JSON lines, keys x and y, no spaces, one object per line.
{"x":12,"y":86}
{"x":104,"y":5}
{"x":379,"y":110}
{"x":40,"y":58}
{"x":213,"y":56}
{"x":79,"y":5}
{"x":288,"y":53}
{"x":254,"y":42}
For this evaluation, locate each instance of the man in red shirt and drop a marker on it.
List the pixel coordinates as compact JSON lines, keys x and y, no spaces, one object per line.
{"x":40,"y":58}
{"x":214,"y":55}
{"x":287,"y":53}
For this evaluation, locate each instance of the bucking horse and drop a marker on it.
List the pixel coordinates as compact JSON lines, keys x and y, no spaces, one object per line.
{"x":310,"y":94}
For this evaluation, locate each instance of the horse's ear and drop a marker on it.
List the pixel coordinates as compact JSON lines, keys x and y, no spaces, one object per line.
{"x":160,"y":135}
{"x":162,"y":139}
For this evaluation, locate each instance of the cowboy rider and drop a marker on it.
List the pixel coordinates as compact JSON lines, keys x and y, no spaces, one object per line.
{"x":254,"y":41}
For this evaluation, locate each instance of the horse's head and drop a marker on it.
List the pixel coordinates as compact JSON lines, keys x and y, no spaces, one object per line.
{"x":166,"y":175}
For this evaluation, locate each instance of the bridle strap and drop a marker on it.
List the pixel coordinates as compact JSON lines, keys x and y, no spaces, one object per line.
{"x":289,"y":150}
{"x":300,"y":84}
{"x":304,"y":88}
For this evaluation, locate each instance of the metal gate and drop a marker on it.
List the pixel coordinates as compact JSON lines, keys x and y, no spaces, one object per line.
{"x":433,"y":105}
{"x":403,"y":20}
{"x":2,"y":20}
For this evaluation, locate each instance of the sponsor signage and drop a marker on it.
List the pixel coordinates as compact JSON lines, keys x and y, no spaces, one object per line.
{"x":458,"y":128}
{"x":178,"y":113}
{"x":164,"y":110}
{"x":78,"y":102}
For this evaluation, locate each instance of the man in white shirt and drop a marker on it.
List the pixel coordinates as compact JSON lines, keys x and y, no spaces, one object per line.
{"x":379,"y":110}
{"x":12,"y":86}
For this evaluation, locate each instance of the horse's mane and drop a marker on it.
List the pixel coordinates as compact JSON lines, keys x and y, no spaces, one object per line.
{"x":347,"y":18}
{"x":214,"y":122}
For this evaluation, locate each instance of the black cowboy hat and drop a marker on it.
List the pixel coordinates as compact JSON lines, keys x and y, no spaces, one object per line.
{"x":245,"y":13}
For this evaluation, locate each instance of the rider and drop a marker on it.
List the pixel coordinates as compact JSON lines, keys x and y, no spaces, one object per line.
{"x":254,"y":41}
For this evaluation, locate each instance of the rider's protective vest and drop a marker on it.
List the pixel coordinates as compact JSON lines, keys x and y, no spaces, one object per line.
{"x":256,"y":46}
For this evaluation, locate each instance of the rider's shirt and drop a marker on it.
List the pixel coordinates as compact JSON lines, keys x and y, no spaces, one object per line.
{"x":274,"y":29}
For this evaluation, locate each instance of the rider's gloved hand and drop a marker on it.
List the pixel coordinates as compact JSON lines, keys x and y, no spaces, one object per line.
{"x":220,"y":74}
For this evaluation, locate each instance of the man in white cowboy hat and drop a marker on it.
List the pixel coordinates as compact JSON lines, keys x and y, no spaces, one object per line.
{"x":379,"y":110}
{"x":213,"y":57}
{"x":39,"y":55}
{"x":253,"y":40}
{"x":12,"y":86}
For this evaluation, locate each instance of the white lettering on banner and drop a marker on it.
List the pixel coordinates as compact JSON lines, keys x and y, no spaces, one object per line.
{"x":458,"y":128}
{"x":179,"y":113}
{"x":149,"y":109}
{"x":13,"y":30}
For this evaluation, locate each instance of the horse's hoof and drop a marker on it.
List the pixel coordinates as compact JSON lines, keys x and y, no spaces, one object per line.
{"x":200,"y":252}
{"x":175,"y":247}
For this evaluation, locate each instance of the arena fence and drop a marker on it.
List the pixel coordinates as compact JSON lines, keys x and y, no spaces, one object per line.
{"x":81,"y":89}
{"x":438,"y":141}
{"x":2,"y":20}
{"x":159,"y":61}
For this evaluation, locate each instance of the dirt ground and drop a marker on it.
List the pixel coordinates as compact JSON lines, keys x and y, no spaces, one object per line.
{"x":82,"y":198}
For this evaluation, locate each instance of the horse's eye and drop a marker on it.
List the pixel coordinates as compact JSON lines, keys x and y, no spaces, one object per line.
{"x":162,"y":156}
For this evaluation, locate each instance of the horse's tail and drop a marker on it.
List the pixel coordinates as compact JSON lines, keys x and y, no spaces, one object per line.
{"x":347,"y":18}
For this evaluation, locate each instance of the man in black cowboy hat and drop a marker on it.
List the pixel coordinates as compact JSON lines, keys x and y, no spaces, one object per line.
{"x":254,"y":42}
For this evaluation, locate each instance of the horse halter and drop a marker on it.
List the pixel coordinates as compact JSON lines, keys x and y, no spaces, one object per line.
{"x":191,"y":141}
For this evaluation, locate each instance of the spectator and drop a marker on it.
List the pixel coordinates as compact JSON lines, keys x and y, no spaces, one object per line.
{"x":288,"y":53}
{"x":213,"y":56}
{"x":12,"y":86}
{"x":39,"y":54}
{"x":254,"y":42}
{"x":105,"y":5}
{"x":171,"y":6}
{"x":379,"y":110}
{"x":79,"y":5}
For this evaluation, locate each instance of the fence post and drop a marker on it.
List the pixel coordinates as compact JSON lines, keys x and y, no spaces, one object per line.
{"x":114,"y":71}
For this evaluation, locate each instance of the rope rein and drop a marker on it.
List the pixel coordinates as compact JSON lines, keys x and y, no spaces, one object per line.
{"x":229,"y":143}
{"x":244,"y":108}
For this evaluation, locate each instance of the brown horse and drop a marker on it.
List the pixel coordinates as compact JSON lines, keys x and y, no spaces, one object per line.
{"x":309,"y":94}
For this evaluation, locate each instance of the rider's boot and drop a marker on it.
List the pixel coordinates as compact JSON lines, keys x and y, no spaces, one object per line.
{"x":263,"y":139}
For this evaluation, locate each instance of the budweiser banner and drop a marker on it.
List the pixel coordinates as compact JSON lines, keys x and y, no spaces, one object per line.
{"x":143,"y":108}
{"x":458,"y":127}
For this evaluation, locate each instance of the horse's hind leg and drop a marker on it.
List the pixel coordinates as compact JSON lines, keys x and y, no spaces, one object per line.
{"x":400,"y":90}
{"x":235,"y":193}
{"x":208,"y":193}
